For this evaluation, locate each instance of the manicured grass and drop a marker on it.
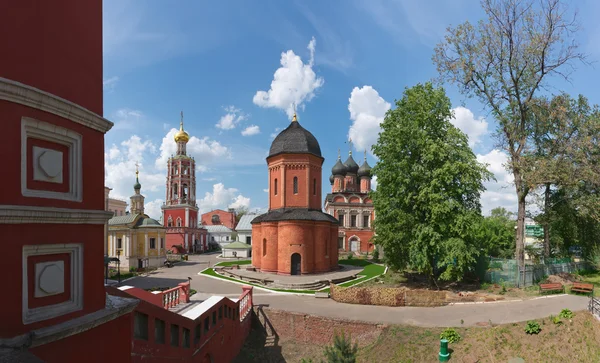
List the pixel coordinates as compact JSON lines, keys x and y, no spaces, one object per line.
{"x":371,"y":270}
{"x":593,"y":278}
{"x":211,"y":272}
{"x":233,"y":263}
{"x":124,"y":276}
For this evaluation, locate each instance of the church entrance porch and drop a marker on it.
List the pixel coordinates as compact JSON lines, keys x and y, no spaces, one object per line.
{"x":296,"y":264}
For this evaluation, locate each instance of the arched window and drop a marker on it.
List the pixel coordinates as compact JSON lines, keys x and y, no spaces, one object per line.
{"x":178,"y":222}
{"x":315,"y":186}
{"x":295,"y":185}
{"x":170,"y":222}
{"x":275,"y":187}
{"x":215,"y":219}
{"x":264,"y":247}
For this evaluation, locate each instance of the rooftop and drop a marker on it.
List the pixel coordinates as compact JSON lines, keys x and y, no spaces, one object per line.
{"x":244,"y":223}
{"x":217,"y":228}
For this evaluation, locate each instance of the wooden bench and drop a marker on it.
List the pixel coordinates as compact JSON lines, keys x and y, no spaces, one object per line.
{"x":581,"y":287}
{"x":551,"y":287}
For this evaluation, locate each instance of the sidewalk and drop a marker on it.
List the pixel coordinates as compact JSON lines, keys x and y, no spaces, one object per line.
{"x":445,"y":316}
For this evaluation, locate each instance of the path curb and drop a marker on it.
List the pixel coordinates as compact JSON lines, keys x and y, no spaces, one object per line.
{"x":254,"y":286}
{"x":505,"y":301}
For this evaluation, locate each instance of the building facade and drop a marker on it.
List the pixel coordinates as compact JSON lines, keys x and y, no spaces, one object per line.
{"x":180,"y":211}
{"x":219,"y":235}
{"x":349,"y":202}
{"x":220,"y":217}
{"x":244,"y":228}
{"x":137,"y":240}
{"x":295,"y":237}
{"x":52,"y":205}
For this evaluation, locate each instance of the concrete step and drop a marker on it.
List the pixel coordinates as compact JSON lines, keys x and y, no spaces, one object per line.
{"x":182,"y":308}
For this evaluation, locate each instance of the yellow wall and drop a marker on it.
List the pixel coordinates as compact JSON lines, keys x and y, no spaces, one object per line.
{"x":137,"y":247}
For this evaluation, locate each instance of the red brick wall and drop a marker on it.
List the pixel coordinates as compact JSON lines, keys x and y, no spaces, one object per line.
{"x":174,"y":213}
{"x":109,"y":342}
{"x":227,"y":218}
{"x":315,"y":329}
{"x":365,"y":185}
{"x":309,"y":239}
{"x":284,"y":168}
{"x":365,"y":236}
{"x":55,"y":46}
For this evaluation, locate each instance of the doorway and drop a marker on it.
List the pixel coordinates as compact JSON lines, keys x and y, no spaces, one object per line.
{"x":355,"y":245}
{"x":296,"y":264}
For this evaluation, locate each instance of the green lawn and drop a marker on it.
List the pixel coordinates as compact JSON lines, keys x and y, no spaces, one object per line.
{"x":593,"y":278}
{"x":370,"y":270}
{"x":233,"y":263}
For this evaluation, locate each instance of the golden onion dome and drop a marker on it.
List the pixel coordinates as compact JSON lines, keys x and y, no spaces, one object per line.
{"x":181,"y":135}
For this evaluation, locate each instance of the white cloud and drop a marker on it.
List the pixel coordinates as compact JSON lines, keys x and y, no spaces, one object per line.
{"x":275,"y":133}
{"x":222,"y":197}
{"x":153,"y":208}
{"x":127,"y":119}
{"x":367,"y":110}
{"x":110,"y":83}
{"x":120,"y":168}
{"x":467,"y":123}
{"x":266,"y":190}
{"x":251,"y":130}
{"x":203,"y":150}
{"x":231,"y":119}
{"x":374,"y":182}
{"x":499,"y":193}
{"x":294,"y":83}
{"x":114,"y":152}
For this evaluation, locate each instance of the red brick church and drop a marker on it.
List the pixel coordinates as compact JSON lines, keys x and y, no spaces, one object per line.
{"x":295,"y":237}
{"x":350,"y":203}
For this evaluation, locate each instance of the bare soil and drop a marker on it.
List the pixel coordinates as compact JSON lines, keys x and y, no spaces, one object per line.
{"x":575,"y":340}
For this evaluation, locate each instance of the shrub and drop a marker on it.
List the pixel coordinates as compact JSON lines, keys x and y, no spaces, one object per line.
{"x":566,"y":314}
{"x":132,"y":269}
{"x":451,"y":335}
{"x":376,"y":254}
{"x":193,"y":292}
{"x":342,"y":350}
{"x":533,"y":327}
{"x":349,"y":257}
{"x":555,"y":319}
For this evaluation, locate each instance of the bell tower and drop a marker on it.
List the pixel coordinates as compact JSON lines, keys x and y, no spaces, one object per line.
{"x":180,"y":212}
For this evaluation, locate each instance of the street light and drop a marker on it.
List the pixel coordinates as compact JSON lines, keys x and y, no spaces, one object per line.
{"x":119,"y":265}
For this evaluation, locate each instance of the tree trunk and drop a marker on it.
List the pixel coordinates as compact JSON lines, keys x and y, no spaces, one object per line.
{"x":521,"y":195}
{"x":546,"y":221}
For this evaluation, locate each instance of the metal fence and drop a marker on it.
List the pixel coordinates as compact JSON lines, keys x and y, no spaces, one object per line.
{"x":594,"y":306}
{"x":507,"y":271}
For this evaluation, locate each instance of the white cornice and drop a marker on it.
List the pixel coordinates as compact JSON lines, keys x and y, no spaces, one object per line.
{"x":19,"y":214}
{"x":17,"y":92}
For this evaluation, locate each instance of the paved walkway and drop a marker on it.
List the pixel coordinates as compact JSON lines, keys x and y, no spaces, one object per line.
{"x":346,"y":271}
{"x":499,"y":312}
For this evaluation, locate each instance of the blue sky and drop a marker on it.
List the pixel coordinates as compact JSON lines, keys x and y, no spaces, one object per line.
{"x":236,"y":67}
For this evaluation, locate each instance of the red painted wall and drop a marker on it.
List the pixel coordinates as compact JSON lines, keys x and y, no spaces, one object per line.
{"x":284,"y":168}
{"x":227,"y":218}
{"x":222,"y":342}
{"x":23,"y":234}
{"x":92,"y":154}
{"x":109,"y":342}
{"x":174,"y":213}
{"x":55,"y":46}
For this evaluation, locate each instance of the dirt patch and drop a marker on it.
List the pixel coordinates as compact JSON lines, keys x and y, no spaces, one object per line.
{"x":563,"y":278}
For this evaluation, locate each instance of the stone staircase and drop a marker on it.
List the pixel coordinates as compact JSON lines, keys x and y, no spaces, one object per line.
{"x":182,"y":308}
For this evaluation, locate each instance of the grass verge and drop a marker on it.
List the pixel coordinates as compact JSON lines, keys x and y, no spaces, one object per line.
{"x":369,"y":271}
{"x":573,"y":340}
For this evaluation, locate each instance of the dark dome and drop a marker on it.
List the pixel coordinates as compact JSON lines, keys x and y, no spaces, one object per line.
{"x":331,"y":179}
{"x":295,"y":139}
{"x":364,"y":170}
{"x":351,"y":165}
{"x":338,"y":168}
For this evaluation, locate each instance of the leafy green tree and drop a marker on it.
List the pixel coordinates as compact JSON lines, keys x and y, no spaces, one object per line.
{"x":342,"y":351}
{"x":429,"y":185}
{"x":496,"y":233}
{"x":503,"y":61}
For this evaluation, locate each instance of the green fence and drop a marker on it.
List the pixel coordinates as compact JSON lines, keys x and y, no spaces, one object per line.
{"x":497,"y":270}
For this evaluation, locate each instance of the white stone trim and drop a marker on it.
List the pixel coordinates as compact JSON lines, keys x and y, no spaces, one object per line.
{"x":60,"y":135}
{"x":75,"y":302}
{"x":23,"y":94}
{"x":19,"y":214}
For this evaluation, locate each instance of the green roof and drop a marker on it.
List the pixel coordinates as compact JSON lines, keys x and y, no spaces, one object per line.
{"x":237,"y":245}
{"x":126,"y":219}
{"x":148,"y":223}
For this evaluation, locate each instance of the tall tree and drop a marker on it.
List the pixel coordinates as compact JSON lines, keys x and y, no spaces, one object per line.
{"x":559,"y":128}
{"x":429,"y":184}
{"x":504,"y":61}
{"x":496,"y":233}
